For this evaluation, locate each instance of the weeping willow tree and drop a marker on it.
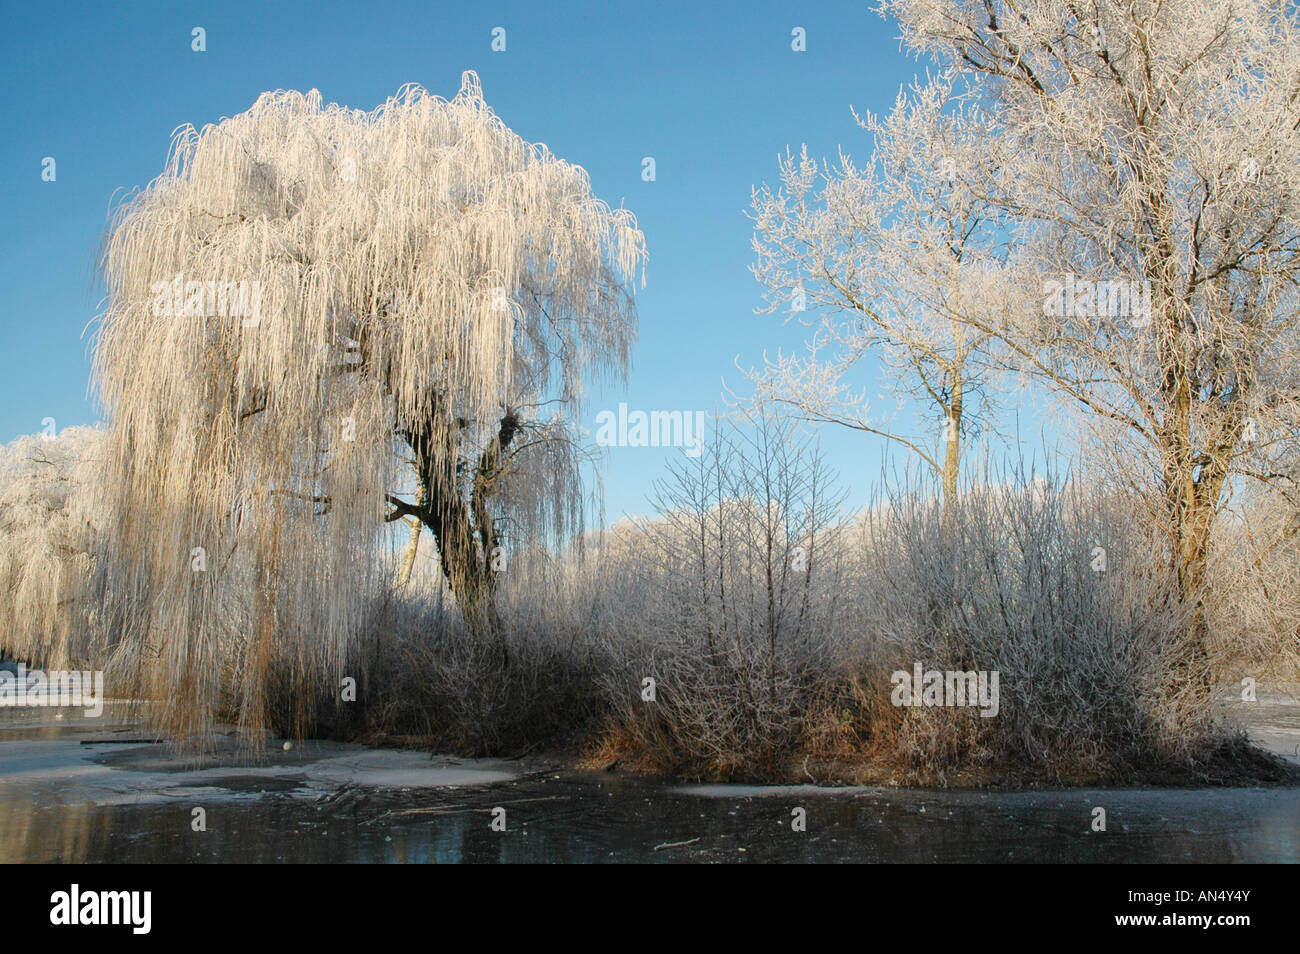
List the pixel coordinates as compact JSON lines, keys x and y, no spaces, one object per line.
{"x":50,"y":522}
{"x":321,"y":321}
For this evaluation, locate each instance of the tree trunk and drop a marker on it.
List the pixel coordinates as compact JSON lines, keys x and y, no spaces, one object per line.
{"x":1193,"y":504}
{"x":408,"y":563}
{"x":464,"y":532}
{"x":951,"y":464}
{"x":1193,"y":485}
{"x":952,"y":452}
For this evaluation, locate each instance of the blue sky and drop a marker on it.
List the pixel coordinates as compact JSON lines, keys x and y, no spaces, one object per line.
{"x":713,"y":92}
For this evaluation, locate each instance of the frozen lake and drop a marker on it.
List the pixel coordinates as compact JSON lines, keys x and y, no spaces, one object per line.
{"x":75,"y":791}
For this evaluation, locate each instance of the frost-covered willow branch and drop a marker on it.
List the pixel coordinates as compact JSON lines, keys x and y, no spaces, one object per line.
{"x":50,"y":522}
{"x":308,"y":299}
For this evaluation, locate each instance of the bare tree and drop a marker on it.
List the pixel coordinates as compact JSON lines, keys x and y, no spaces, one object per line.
{"x":745,"y":550}
{"x":889,"y":260}
{"x":305,"y":300}
{"x":1151,"y":155}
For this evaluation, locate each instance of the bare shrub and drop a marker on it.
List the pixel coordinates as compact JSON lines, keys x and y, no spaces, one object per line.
{"x":1254,"y":588}
{"x":739,"y":577}
{"x":425,"y":676}
{"x":1062,"y":593}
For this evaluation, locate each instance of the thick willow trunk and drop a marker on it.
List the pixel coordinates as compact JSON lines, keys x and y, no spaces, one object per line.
{"x":464,"y":531}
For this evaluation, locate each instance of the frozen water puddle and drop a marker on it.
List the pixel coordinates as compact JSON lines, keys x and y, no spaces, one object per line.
{"x":64,"y":771}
